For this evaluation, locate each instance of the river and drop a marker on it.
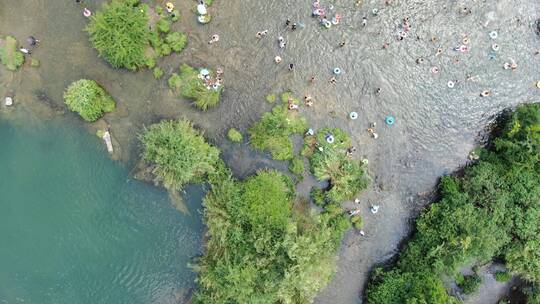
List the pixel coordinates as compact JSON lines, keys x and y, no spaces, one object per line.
{"x":436,"y":126}
{"x":77,"y":229}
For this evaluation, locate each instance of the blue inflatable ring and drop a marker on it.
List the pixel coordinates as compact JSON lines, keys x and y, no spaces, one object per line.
{"x":337,"y":71}
{"x":390,"y":120}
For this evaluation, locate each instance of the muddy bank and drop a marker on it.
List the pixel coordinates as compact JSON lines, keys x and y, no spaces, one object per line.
{"x":436,"y":126}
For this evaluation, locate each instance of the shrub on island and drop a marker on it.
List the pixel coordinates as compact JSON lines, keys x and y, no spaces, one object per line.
{"x":178,"y":153}
{"x":234,"y":135}
{"x":273,"y":131}
{"x":10,"y":56}
{"x":192,"y":84}
{"x":88,"y":99}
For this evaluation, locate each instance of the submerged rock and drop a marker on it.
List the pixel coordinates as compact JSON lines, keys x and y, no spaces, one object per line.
{"x":8,"y":101}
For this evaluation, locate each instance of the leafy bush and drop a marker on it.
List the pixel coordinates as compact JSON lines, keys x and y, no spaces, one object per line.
{"x":178,"y":153}
{"x":163,"y":25}
{"x":469,"y":283}
{"x":10,"y":56}
{"x":492,"y":210}
{"x":502,"y":276}
{"x":296,"y":165}
{"x":329,"y":161}
{"x":158,"y":73}
{"x":177,"y":41}
{"x":271,"y":98}
{"x":272,"y":133}
{"x":88,"y":99}
{"x":120,"y":33}
{"x":189,"y":85}
{"x":318,"y":196}
{"x":175,"y":15}
{"x":234,"y":135}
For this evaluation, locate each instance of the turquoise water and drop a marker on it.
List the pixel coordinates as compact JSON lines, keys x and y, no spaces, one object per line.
{"x":74,"y":228}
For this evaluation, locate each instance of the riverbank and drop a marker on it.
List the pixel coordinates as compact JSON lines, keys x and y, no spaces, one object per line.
{"x":405,"y":160}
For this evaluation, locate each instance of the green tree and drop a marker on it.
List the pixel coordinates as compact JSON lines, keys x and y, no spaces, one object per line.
{"x":178,"y":153}
{"x":88,"y":99}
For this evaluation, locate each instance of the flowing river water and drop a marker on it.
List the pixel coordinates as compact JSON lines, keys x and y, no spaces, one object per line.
{"x":436,"y":126}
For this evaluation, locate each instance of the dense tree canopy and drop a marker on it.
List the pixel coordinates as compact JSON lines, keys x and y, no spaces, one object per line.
{"x":492,"y":210}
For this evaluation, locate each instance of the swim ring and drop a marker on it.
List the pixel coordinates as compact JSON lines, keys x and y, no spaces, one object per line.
{"x":327,"y":24}
{"x":493,"y":35}
{"x":337,"y":71}
{"x":353,"y":115}
{"x":329,"y":138}
{"x":451,"y":84}
{"x":495,"y":47}
{"x":390,"y":120}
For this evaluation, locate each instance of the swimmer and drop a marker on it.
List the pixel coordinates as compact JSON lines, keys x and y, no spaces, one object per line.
{"x":333,"y":80}
{"x":378,"y":91}
{"x":364,"y":21}
{"x":32,"y":40}
{"x":356,"y":200}
{"x":435,"y":70}
{"x":258,"y":35}
{"x":308,"y":100}
{"x":485,"y":93}
{"x":287,"y":22}
{"x":291,"y":67}
{"x":264,"y":33}
{"x":375,"y":135}
{"x":312,"y":80}
{"x":169,"y":7}
{"x":25,"y":51}
{"x":420,"y":60}
{"x":439,"y":51}
{"x":293,"y":26}
{"x":292,"y":106}
{"x":342,"y":44}
{"x":219,"y":71}
{"x":385,"y":46}
{"x":277,"y":59}
{"x":215,"y":38}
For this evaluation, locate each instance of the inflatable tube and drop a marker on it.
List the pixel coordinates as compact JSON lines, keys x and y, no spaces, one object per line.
{"x":463,"y":48}
{"x":375,"y":11}
{"x":495,"y":47}
{"x":337,"y":71}
{"x":451,"y":84}
{"x":215,"y":86}
{"x":335,"y":21}
{"x":330,"y":138}
{"x":434,"y":70}
{"x":353,"y":115}
{"x":327,"y":24}
{"x":538,"y":84}
{"x":390,"y":120}
{"x":201,"y":9}
{"x":465,"y":40}
{"x":87,"y":13}
{"x":493,"y":35}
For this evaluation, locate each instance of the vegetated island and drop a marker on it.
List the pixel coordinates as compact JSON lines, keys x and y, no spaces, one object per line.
{"x":129,"y":35}
{"x":265,"y":245}
{"x":10,"y":56}
{"x":491,"y":211}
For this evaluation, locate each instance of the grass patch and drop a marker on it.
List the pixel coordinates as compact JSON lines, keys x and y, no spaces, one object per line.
{"x":329,"y":161}
{"x":234,"y":135}
{"x":177,"y":41}
{"x":88,"y":99}
{"x":10,"y":56}
{"x":188,"y":84}
{"x":296,"y":165}
{"x":469,"y":283}
{"x":502,"y":276}
{"x":273,"y":131}
{"x":158,"y":73}
{"x":178,"y":153}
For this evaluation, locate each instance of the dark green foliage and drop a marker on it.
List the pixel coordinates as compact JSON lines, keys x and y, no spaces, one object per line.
{"x":502,"y":276}
{"x":317,"y":195}
{"x":178,"y":153}
{"x":493,"y":210}
{"x":88,"y":99}
{"x":469,"y":283}
{"x":177,"y":41}
{"x":189,"y":85}
{"x":329,"y":161}
{"x":272,"y":133}
{"x":395,"y":287}
{"x":120,"y":33}
{"x":163,"y":25}
{"x":260,"y":249}
{"x":165,"y":49}
{"x":10,"y":56}
{"x":296,"y":165}
{"x":234,"y":135}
